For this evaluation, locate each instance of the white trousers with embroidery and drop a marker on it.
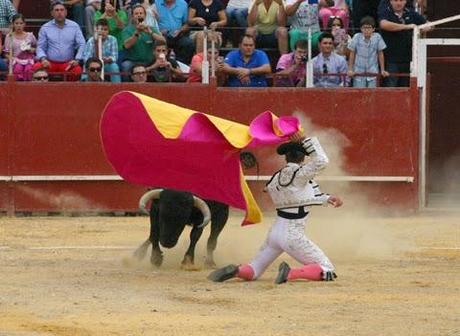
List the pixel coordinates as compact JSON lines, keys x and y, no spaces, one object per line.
{"x":288,"y":235}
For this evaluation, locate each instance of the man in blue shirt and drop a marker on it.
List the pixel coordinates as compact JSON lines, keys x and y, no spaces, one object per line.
{"x":60,"y":44}
{"x":396,"y":24}
{"x":247,"y":66}
{"x":173,"y":18}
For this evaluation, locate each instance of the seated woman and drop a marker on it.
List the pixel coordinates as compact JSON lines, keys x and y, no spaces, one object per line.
{"x":336,"y":27}
{"x":338,"y":8}
{"x":20,"y":49}
{"x":196,"y":67}
{"x":209,"y":13}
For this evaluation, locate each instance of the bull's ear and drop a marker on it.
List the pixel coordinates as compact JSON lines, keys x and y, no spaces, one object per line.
{"x":248,"y":160}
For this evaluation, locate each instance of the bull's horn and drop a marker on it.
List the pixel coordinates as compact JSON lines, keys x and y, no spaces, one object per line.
{"x":203,"y":207}
{"x":151,"y":194}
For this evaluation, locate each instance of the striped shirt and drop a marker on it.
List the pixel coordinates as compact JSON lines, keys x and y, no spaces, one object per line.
{"x":366,"y":52}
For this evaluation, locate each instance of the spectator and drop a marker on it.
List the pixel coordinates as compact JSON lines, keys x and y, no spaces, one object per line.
{"x":339,"y":8}
{"x":117,"y":19}
{"x":173,"y":18}
{"x":3,"y":66}
{"x":163,"y":68}
{"x":397,"y":23}
{"x":40,"y":75}
{"x":206,"y":13}
{"x":109,"y":50}
{"x":7,"y":11}
{"x":58,"y":40}
{"x":304,"y":16}
{"x":77,"y":12}
{"x":237,"y":14}
{"x":138,"y":40}
{"x":247,"y":66}
{"x":93,"y":68}
{"x":90,"y":10}
{"x":292,"y":66}
{"x":384,"y":5}
{"x":23,"y":49}
{"x":341,"y":37}
{"x":138,"y":73}
{"x":366,"y":54}
{"x":328,"y":62}
{"x":267,"y":21}
{"x":196,"y":70}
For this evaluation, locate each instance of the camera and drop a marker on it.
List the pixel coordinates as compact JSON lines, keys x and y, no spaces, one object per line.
{"x":140,"y":20}
{"x":304,"y":59}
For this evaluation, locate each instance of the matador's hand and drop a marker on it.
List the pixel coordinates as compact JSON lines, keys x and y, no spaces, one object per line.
{"x":335,"y":201}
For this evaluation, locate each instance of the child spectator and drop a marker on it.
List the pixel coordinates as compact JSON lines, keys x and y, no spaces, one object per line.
{"x":209,"y":13}
{"x":109,"y":50}
{"x":339,"y":8}
{"x":163,"y":68}
{"x":22,"y":49}
{"x":366,"y":54}
{"x":117,"y":19}
{"x":341,"y":38}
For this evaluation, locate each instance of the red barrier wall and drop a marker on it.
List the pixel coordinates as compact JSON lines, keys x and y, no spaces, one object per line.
{"x":52,"y":129}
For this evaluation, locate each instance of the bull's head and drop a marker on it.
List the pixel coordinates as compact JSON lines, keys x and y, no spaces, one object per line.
{"x":175,"y":210}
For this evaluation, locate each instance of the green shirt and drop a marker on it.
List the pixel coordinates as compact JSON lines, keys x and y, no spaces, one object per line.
{"x":113,"y":29}
{"x":142,"y":50}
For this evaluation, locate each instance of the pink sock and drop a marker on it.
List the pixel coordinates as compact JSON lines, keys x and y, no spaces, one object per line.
{"x":245,"y":272}
{"x":309,"y":272}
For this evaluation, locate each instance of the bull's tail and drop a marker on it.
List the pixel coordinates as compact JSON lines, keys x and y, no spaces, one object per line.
{"x":142,"y":250}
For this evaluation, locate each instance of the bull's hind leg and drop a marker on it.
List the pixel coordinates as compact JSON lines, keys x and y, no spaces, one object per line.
{"x":188,"y":263}
{"x":218,"y":221}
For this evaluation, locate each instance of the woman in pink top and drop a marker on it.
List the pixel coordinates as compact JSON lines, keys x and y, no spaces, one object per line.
{"x":20,"y":49}
{"x":340,"y":8}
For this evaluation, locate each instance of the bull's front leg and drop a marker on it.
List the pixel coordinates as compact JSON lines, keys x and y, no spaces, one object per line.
{"x":156,"y":258}
{"x":188,"y":263}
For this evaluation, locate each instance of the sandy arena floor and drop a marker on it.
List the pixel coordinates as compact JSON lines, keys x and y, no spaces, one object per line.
{"x":75,"y":276}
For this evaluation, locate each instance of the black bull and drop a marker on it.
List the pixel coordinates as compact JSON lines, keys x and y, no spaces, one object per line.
{"x":172,"y":210}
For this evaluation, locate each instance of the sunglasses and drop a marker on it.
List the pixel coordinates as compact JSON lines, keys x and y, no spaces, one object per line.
{"x":94,"y":69}
{"x":325,"y":71}
{"x":38,"y":78}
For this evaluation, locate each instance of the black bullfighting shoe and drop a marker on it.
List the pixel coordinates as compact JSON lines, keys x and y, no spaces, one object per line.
{"x":329,"y":276}
{"x":224,"y":273}
{"x":283,"y":272}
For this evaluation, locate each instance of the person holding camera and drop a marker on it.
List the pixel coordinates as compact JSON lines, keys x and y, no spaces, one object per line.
{"x":163,"y":68}
{"x":138,"y":40}
{"x":291,"y":68}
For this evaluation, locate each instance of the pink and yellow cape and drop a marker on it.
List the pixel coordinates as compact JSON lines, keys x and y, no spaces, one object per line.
{"x":157,"y":144}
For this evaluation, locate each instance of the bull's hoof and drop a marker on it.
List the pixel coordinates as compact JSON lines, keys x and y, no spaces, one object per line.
{"x":188,"y":264}
{"x":156,"y":260}
{"x":210,"y":264}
